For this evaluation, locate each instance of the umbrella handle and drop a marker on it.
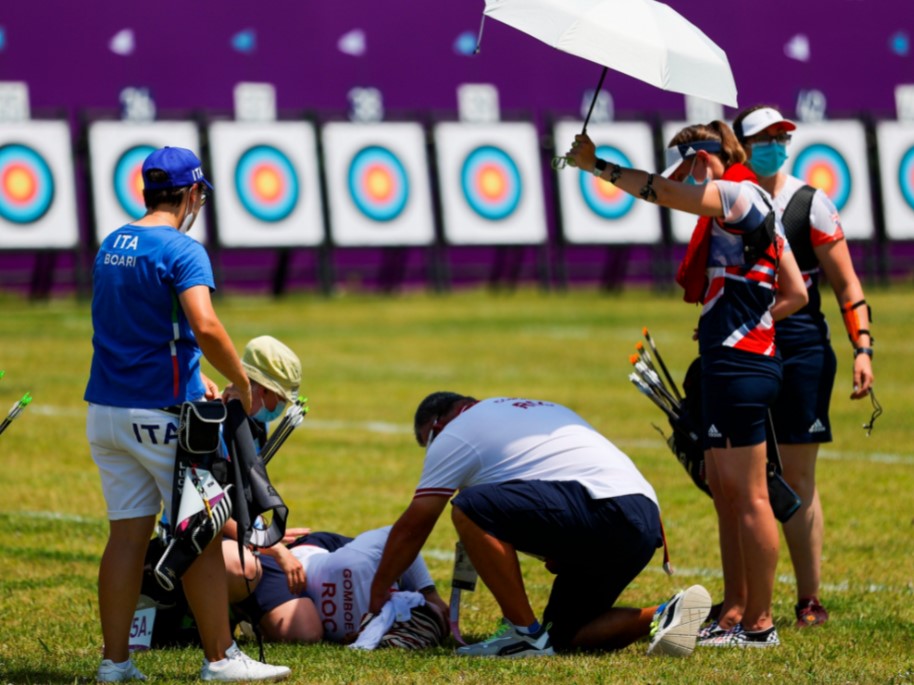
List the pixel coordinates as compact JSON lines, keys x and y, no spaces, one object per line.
{"x":593,"y":102}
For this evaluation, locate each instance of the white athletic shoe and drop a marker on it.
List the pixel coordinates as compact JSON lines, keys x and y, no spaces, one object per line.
{"x":239,"y":667}
{"x":110,"y":672}
{"x":674,"y":629}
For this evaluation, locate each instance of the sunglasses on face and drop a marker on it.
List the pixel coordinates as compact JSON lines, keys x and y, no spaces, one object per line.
{"x":763,"y":138}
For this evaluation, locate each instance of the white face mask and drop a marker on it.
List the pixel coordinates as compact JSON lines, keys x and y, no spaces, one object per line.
{"x":189,"y":219}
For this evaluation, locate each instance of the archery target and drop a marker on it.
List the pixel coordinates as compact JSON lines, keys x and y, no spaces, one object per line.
{"x":823,"y":167}
{"x":832,"y":156}
{"x":896,"y":166}
{"x":128,"y":180}
{"x":26,"y":184}
{"x":37,"y":192}
{"x":267,"y":184}
{"x":490,"y":183}
{"x":378,"y":184}
{"x":595,"y":211}
{"x":116,"y":155}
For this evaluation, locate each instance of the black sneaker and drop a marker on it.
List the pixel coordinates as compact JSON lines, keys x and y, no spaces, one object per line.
{"x":740,"y":637}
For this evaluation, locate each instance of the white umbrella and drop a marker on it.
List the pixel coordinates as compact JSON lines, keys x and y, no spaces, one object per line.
{"x":642,"y":38}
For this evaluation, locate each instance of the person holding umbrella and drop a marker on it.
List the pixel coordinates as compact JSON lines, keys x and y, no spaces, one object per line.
{"x":747,"y":278}
{"x":800,"y":414}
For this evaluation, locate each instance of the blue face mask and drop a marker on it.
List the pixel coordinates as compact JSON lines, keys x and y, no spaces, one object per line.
{"x":266,"y":416}
{"x":768,"y":158}
{"x":690,"y":180}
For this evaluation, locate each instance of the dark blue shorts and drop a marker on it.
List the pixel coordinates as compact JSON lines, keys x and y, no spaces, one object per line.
{"x":273,"y":588}
{"x":595,"y":547}
{"x":737,"y":388}
{"x":801,"y":411}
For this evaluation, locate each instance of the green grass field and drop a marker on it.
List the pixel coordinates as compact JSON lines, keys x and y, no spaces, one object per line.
{"x":367,"y":361}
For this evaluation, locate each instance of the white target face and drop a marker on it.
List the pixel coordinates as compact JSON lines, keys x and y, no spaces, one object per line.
{"x":896,"y":166}
{"x":117,"y":150}
{"x":378,"y":184}
{"x":491,"y":183}
{"x":37,"y":189}
{"x":595,"y":211}
{"x":267,"y":184}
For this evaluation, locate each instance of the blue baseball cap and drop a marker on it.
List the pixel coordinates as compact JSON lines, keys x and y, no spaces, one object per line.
{"x":181,"y":165}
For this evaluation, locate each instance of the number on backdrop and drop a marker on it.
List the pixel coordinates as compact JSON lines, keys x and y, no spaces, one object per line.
{"x":366,"y":105}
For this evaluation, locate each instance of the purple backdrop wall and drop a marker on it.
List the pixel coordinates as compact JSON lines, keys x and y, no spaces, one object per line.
{"x":80,"y":56}
{"x":192,"y":53}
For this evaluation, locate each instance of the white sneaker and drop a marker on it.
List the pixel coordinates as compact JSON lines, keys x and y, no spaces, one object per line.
{"x":674,"y":629}
{"x":239,"y":667}
{"x":110,"y":672}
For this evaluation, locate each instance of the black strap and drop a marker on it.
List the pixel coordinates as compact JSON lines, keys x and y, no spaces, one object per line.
{"x":774,"y":454}
{"x":797,"y":227}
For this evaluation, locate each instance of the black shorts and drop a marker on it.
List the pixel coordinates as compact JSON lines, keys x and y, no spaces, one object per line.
{"x":801,"y":411}
{"x":595,"y":547}
{"x":737,"y":388}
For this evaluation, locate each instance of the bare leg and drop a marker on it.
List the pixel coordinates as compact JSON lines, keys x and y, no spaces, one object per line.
{"x":804,"y":530}
{"x":744,"y":488}
{"x":497,"y":564}
{"x":120,"y":576}
{"x":617,"y":628}
{"x":294,"y":621}
{"x":206,"y":587}
{"x":731,"y":557}
{"x":241,"y":582}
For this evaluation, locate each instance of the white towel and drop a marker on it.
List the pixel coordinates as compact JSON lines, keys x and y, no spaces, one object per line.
{"x":397,"y":608}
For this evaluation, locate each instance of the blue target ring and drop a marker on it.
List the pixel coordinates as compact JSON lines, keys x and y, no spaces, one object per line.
{"x":378,"y":183}
{"x":823,"y":167}
{"x":906,"y":177}
{"x":266,"y":183}
{"x":491,"y":183}
{"x":602,"y":197}
{"x":26,"y":184}
{"x":128,"y":180}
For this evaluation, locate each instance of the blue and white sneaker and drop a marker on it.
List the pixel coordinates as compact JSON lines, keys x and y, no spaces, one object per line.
{"x":511,"y":643}
{"x":674,"y":629}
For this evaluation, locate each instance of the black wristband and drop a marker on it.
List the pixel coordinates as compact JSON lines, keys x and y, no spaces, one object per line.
{"x":868,"y":351}
{"x":599,"y":166}
{"x":647,"y":191}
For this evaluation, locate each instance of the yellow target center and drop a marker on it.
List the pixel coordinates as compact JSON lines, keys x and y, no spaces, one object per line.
{"x":822,"y":178}
{"x":379,"y":184}
{"x":492,"y":183}
{"x":19,"y":184}
{"x":267,"y":183}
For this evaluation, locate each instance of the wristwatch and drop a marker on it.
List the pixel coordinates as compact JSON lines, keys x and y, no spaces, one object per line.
{"x":599,"y":166}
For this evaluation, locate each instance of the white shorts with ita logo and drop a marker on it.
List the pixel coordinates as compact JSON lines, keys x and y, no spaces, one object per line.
{"x":134,"y":450}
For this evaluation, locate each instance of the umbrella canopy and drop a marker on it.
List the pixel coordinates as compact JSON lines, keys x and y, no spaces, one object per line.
{"x":642,"y":38}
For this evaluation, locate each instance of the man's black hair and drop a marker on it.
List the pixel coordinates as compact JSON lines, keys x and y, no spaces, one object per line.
{"x":166,"y":196}
{"x":435,"y":405}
